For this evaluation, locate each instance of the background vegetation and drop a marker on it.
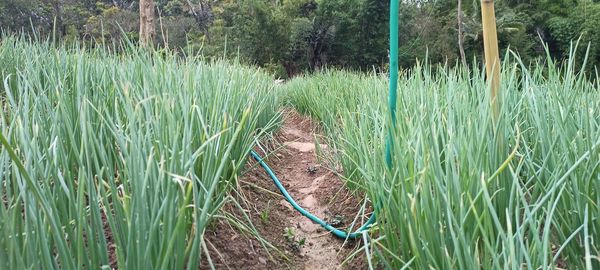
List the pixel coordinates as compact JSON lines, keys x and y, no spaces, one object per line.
{"x":292,"y":36}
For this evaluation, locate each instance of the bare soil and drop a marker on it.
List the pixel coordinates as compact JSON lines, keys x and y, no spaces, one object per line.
{"x":302,"y":244}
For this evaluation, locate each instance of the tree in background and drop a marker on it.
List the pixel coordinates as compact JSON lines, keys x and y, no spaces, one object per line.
{"x":111,"y":23}
{"x":580,"y":24}
{"x":288,"y":37}
{"x":461,"y":35}
{"x":147,"y":31}
{"x":22,"y":15}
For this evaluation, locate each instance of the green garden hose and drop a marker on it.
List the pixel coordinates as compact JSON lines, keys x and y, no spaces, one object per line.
{"x":388,"y":149}
{"x":337,"y":232}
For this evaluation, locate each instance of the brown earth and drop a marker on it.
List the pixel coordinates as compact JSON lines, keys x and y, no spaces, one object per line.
{"x":302,"y":244}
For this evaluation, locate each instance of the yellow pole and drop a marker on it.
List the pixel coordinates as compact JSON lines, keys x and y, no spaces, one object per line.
{"x":490,"y":44}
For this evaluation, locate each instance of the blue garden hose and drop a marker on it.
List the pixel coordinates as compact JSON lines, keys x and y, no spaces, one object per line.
{"x":388,"y":145}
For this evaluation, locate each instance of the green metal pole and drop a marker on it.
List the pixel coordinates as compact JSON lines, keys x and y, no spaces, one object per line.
{"x":393,"y":94}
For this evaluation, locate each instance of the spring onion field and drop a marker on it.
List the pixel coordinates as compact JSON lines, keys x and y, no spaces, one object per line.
{"x":119,"y":158}
{"x":466,"y":190}
{"x":123,"y":160}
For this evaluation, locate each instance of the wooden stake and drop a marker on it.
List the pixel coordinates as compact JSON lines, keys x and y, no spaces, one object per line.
{"x":492,"y":58}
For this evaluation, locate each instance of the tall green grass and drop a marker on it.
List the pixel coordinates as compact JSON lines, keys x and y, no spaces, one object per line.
{"x":141,"y":146}
{"x":467,"y":191}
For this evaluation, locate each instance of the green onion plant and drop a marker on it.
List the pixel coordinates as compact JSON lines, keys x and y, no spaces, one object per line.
{"x":467,"y":191}
{"x":119,"y":160}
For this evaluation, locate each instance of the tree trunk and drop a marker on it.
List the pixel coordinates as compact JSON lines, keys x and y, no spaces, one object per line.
{"x":147,"y":31}
{"x":204,"y":19}
{"x":461,"y":36}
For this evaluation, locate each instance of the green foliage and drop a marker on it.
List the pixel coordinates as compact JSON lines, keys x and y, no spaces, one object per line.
{"x":119,"y":160}
{"x":256,"y":29}
{"x":21,"y":15}
{"x":264,"y":214}
{"x":581,"y":24}
{"x":466,"y":191}
{"x":111,"y":25}
{"x":290,"y":236}
{"x":290,"y":37}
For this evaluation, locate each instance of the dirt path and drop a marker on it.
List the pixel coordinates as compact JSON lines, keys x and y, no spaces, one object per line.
{"x":303,"y":183}
{"x":315,"y":187}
